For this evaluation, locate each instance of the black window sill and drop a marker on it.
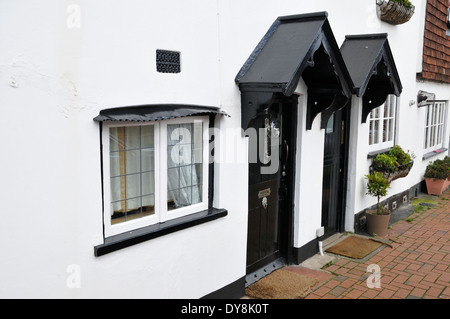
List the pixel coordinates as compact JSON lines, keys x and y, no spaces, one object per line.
{"x":434,"y":153}
{"x":140,"y":235}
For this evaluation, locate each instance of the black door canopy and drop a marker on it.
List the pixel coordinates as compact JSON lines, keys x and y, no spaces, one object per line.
{"x":299,"y":46}
{"x":287,"y":49}
{"x":371,"y":65}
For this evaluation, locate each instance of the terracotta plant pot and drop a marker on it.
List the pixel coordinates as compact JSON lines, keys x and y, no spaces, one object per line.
{"x":377,"y":224}
{"x":436,"y":186}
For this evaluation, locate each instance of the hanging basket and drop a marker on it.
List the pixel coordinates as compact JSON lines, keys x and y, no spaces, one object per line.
{"x":399,"y":172}
{"x":394,"y":12}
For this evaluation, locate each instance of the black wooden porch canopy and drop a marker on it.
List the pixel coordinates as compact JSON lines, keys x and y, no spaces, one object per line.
{"x":294,"y":47}
{"x":155,"y":112}
{"x":371,"y":65}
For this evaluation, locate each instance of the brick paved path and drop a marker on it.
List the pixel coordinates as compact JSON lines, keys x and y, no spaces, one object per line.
{"x":417,"y":265}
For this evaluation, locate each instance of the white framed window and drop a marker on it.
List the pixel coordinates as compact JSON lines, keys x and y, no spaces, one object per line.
{"x":154,"y":172}
{"x":435,"y":125}
{"x":382,"y":124}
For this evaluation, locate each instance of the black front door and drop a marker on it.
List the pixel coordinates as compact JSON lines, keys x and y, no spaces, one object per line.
{"x":270,"y":184}
{"x":334,"y":171}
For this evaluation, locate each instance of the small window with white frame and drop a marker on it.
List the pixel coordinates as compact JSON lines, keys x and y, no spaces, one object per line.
{"x":435,"y":125}
{"x":382,"y":124}
{"x":154,"y":172}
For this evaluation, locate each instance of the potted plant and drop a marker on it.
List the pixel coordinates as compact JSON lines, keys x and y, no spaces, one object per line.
{"x":377,"y":220}
{"x":395,"y":11}
{"x":437,"y":175}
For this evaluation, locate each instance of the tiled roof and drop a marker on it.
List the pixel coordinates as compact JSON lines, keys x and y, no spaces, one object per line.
{"x":436,"y":50}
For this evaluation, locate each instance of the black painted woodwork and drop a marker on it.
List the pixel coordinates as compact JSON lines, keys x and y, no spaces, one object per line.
{"x":372,"y":68}
{"x":269,"y":228}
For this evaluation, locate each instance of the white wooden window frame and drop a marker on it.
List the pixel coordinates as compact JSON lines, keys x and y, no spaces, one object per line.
{"x":162,"y":213}
{"x":435,"y":126}
{"x":375,"y":139}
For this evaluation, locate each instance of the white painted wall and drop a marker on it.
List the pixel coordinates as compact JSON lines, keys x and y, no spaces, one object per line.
{"x":54,"y":79}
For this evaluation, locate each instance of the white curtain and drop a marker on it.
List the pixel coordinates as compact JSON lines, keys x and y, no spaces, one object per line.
{"x":184,"y":160}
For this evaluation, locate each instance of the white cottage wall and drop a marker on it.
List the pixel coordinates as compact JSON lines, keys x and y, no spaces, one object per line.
{"x":63,"y":61}
{"x":310,"y":171}
{"x":57,"y":74}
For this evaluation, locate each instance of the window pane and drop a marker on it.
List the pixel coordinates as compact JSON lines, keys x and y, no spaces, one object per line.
{"x":376,"y":132}
{"x":132,"y":137}
{"x":173,"y":156}
{"x":133,"y":185}
{"x":173,"y":178}
{"x":147,"y":136}
{"x":392,"y":108}
{"x":330,"y":124}
{"x":186,"y":175}
{"x":376,"y":113}
{"x":173,"y":199}
{"x":388,"y":130}
{"x":184,"y":178}
{"x":173,"y":136}
{"x":118,"y":212}
{"x":432,"y":135}
{"x":147,"y":159}
{"x":116,"y":188}
{"x":391,"y":130}
{"x":197,"y":175}
{"x":114,"y":164}
{"x":148,"y":205}
{"x":132,"y":161}
{"x":185,"y":198}
{"x":438,"y":135}
{"x":116,"y":139}
{"x":133,"y":209}
{"x":148,"y":183}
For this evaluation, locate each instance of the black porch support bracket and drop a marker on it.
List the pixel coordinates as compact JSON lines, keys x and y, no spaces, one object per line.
{"x":326,"y":102}
{"x":373,"y":99}
{"x":339,"y":102}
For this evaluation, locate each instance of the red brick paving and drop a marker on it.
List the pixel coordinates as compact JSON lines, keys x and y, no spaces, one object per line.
{"x":417,"y":265}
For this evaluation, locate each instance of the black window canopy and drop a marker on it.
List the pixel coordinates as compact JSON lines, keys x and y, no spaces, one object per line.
{"x":155,"y":112}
